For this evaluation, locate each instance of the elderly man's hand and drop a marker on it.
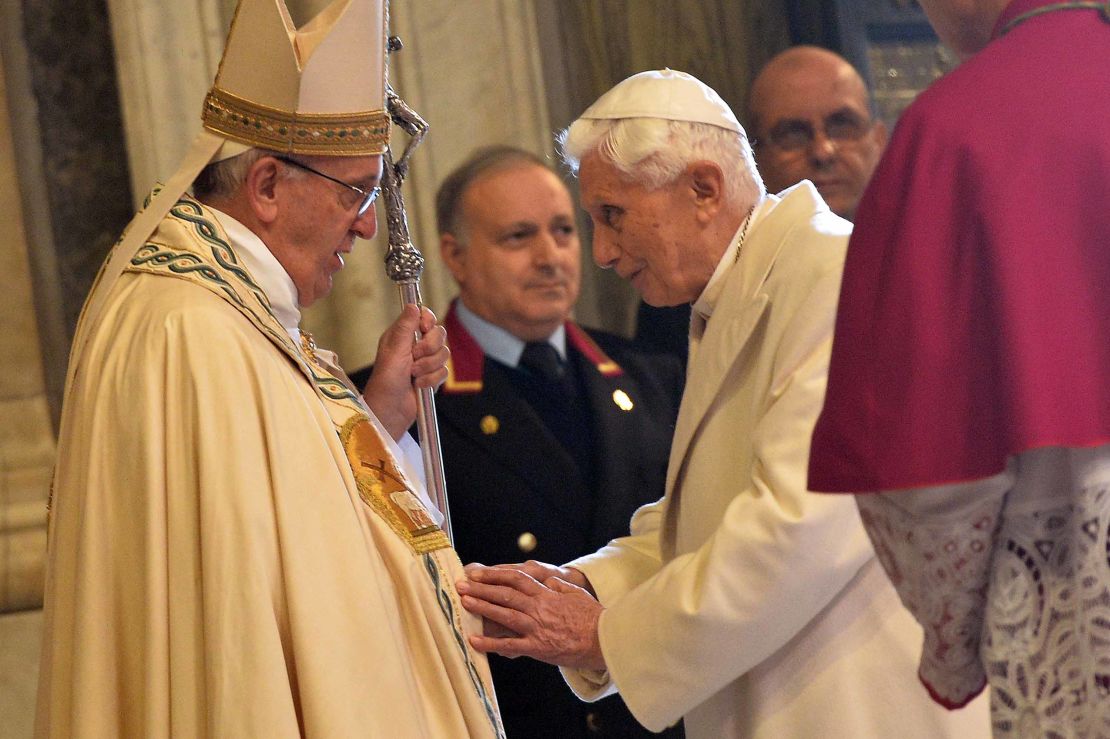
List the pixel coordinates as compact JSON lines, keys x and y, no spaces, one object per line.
{"x":402,"y":365}
{"x":542,"y":572}
{"x":553,"y":621}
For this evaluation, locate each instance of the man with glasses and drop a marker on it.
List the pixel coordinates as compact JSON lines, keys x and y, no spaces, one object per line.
{"x":240,"y":539}
{"x":357,"y":195}
{"x":307,"y":220}
{"x":810,"y":116}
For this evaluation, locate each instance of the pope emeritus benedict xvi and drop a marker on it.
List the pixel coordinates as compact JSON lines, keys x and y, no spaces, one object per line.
{"x":740,"y":602}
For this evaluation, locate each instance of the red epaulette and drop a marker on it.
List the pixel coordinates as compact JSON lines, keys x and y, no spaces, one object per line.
{"x":464,"y":368}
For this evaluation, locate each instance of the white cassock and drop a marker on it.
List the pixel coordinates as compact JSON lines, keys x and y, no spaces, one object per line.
{"x":741,"y":602}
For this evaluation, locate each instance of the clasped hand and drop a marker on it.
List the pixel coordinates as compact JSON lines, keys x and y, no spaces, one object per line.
{"x":402,"y":365}
{"x":534,"y":610}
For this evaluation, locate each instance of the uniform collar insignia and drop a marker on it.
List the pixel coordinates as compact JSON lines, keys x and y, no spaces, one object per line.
{"x":464,"y":368}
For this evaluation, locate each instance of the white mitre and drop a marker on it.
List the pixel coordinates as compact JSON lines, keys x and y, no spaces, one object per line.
{"x":667,"y":94}
{"x":316,"y":90}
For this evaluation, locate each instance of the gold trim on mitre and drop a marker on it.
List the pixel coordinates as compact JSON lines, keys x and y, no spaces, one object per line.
{"x":317,"y":90}
{"x":327,"y":134}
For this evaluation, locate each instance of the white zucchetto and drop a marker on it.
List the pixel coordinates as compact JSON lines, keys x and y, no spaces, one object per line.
{"x":667,"y":94}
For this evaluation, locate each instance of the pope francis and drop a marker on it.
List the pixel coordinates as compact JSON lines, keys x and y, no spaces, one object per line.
{"x":240,"y":544}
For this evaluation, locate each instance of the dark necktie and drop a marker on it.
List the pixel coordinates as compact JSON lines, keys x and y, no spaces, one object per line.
{"x":552,"y":387}
{"x":542,"y":360}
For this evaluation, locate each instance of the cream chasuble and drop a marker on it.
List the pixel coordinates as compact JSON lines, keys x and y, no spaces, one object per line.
{"x":233,"y":551}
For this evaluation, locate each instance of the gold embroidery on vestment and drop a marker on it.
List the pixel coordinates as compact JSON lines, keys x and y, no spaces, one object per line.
{"x":381,"y":486}
{"x":336,"y":134}
{"x":308,"y":346}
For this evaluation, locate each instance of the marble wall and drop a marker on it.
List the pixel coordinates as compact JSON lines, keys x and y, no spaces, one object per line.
{"x":20,"y":640}
{"x":87,"y":189}
{"x":165,"y":58}
{"x":64,"y":197}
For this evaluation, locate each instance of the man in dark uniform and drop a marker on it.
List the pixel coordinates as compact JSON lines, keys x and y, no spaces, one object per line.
{"x":552,"y":434}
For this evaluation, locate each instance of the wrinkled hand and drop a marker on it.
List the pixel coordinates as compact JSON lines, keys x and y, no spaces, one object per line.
{"x":542,"y":572}
{"x":490,"y":628}
{"x":539,"y":571}
{"x":553,"y":621}
{"x":402,"y":365}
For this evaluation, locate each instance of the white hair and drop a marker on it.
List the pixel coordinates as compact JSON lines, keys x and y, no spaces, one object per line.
{"x":653,"y":152}
{"x":223,"y":178}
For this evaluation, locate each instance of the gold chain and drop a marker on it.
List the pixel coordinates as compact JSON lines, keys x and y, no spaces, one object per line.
{"x":1103,"y":6}
{"x":744,"y":233}
{"x":308,"y":346}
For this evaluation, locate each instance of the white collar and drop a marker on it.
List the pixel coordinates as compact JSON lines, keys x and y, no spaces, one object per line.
{"x":711,"y":294}
{"x":266,"y":270}
{"x":498,"y":343}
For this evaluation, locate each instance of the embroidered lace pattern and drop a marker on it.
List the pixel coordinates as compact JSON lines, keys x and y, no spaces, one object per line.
{"x":1047,"y":647}
{"x":1045,"y":643}
{"x":924,"y":558}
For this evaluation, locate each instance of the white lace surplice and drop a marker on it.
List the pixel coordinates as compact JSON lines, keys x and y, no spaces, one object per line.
{"x":1010,"y":578}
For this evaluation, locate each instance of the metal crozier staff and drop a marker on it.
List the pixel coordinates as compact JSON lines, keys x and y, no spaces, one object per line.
{"x":404,"y":264}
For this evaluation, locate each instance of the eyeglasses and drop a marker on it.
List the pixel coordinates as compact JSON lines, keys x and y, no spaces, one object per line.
{"x":843,"y":127}
{"x":366,"y":199}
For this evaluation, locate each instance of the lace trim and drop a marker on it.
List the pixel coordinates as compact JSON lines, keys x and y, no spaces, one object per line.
{"x":1047,"y":647}
{"x":1034,"y":621}
{"x":925,"y":558}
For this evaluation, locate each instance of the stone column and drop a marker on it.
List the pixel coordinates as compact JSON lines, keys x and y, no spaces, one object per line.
{"x":26,"y":436}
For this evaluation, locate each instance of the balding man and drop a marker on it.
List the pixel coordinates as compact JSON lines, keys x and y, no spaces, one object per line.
{"x":810,"y":115}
